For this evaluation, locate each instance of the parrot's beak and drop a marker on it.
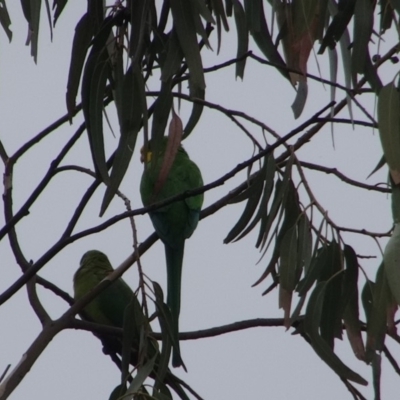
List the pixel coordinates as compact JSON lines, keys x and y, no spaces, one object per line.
{"x":145,"y":156}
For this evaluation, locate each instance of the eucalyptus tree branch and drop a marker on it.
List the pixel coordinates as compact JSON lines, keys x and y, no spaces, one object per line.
{"x":65,"y":240}
{"x":315,"y":129}
{"x":5,"y":372}
{"x":35,"y":303}
{"x":363,"y":231}
{"x":353,"y":391}
{"x":228,"y":112}
{"x":344,"y":178}
{"x":391,"y":360}
{"x":41,"y":135}
{"x":389,"y":54}
{"x":191,"y":335}
{"x":13,"y":219}
{"x":349,"y":121}
{"x":55,"y":289}
{"x":364,"y":111}
{"x":34,"y":351}
{"x":325,"y":214}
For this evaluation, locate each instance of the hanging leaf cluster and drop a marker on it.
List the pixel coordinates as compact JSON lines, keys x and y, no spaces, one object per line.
{"x":116,"y":50}
{"x":322,"y":274}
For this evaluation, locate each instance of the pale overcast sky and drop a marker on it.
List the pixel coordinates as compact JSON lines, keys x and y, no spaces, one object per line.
{"x":257,"y":363}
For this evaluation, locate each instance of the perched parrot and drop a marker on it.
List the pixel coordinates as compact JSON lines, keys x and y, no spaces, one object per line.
{"x":175,"y":222}
{"x":108,"y":308}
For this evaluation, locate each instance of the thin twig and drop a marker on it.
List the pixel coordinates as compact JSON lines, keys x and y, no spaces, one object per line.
{"x":34,"y":301}
{"x":192,"y":335}
{"x":344,"y":178}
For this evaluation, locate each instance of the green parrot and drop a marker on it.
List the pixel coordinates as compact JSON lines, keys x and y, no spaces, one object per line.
{"x":108,"y":309}
{"x":175,"y":222}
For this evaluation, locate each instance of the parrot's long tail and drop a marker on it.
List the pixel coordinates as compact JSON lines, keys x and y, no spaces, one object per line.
{"x":174,"y":257}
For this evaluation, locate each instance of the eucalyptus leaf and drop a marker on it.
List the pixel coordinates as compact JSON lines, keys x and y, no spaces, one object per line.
{"x":377,"y":315}
{"x":80,"y":45}
{"x":5,"y":20}
{"x":389,"y":128}
{"x":312,"y":326}
{"x":391,"y":261}
{"x":363,"y":24}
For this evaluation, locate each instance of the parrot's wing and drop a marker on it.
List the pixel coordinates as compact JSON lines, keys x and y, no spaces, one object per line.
{"x":113,"y":301}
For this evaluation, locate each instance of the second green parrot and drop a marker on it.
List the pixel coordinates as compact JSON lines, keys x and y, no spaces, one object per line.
{"x":175,"y":222}
{"x":108,"y":308}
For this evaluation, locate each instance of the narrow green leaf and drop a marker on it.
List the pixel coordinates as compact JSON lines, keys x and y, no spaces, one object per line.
{"x":269,"y":173}
{"x":82,"y":38}
{"x":287,"y":271}
{"x":229,"y":7}
{"x":242,"y":37}
{"x":322,"y":19}
{"x":366,"y":298}
{"x":173,"y":58}
{"x":304,"y":15}
{"x":184,"y":16}
{"x":162,"y":364}
{"x":129,"y":329}
{"x":338,"y":24}
{"x":59,"y":7}
{"x":300,"y":99}
{"x":380,"y":164}
{"x":197,"y":110}
{"x":371,"y":74}
{"x":139,"y":33}
{"x":182,"y":13}
{"x":345,"y":49}
{"x":376,"y":375}
{"x":391,"y":260}
{"x":96,"y":12}
{"x":396,"y":5}
{"x":258,"y":28}
{"x":165,"y":319}
{"x":33,"y":37}
{"x":93,"y":86}
{"x":389,"y":128}
{"x":200,"y":30}
{"x":142,"y":374}
{"x":219,"y":13}
{"x":248,"y":190}
{"x":288,"y":260}
{"x":133,"y":109}
{"x":26,"y":9}
{"x":396,"y":203}
{"x":312,"y":326}
{"x":162,"y":109}
{"x":94,"y":80}
{"x":376,"y":318}
{"x":253,"y":193}
{"x":333,"y":66}
{"x":118,"y":392}
{"x":304,"y":245}
{"x":387,"y":15}
{"x":291,"y":210}
{"x":362,"y":30}
{"x":219,"y":10}
{"x":48,"y":12}
{"x":330,"y":324}
{"x":202,"y":8}
{"x":5,"y":20}
{"x":312,"y":274}
{"x":281,"y":189}
{"x":350,"y":303}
